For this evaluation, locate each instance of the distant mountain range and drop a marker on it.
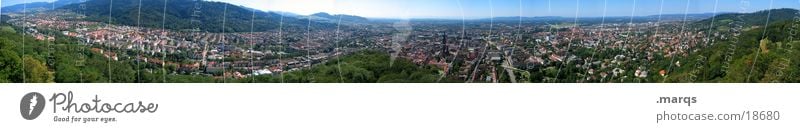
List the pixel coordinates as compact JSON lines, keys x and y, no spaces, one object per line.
{"x":609,"y":19}
{"x":37,"y":6}
{"x":179,"y":15}
{"x":336,"y":18}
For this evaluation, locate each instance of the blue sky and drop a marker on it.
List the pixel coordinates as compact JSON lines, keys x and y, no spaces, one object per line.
{"x":489,"y":8}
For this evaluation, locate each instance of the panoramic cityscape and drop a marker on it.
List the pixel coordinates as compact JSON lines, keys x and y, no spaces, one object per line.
{"x":580,"y":41}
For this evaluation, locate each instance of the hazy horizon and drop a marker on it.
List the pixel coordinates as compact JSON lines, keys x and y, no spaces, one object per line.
{"x":477,"y":9}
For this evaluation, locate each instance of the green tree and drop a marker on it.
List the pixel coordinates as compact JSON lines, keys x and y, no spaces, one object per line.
{"x":36,"y":71}
{"x":7,"y":29}
{"x":10,"y":66}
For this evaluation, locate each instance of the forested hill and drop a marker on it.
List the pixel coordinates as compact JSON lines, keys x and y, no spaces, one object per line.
{"x":179,"y":15}
{"x":750,"y":19}
{"x":761,"y":54}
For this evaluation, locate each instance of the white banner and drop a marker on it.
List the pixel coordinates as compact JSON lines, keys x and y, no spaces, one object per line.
{"x":401,"y":107}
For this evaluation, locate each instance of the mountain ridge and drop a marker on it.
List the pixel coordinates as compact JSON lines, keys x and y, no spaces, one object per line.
{"x":336,"y":17}
{"x":179,"y":15}
{"x":751,"y":19}
{"x":37,"y":6}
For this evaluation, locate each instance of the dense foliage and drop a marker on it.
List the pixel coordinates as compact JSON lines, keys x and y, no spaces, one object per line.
{"x":759,"y":56}
{"x":360,"y":67}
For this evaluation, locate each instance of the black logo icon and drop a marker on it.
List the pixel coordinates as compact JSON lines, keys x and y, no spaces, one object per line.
{"x":31,"y":106}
